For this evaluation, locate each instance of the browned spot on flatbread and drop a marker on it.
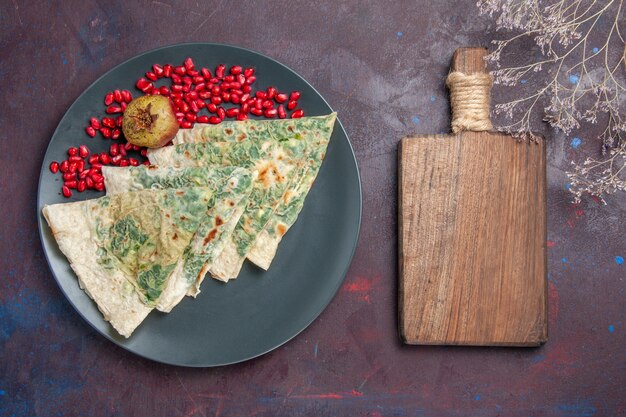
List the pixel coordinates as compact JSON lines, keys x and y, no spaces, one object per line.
{"x":187,"y":154}
{"x":219,"y":221}
{"x":210,"y":237}
{"x":228,"y":131}
{"x":281,"y":229}
{"x":231,"y":203}
{"x":269,"y":174}
{"x":180,"y":193}
{"x":241,"y":137}
{"x":175,"y":236}
{"x":152,"y":167}
{"x":183,"y":217}
{"x":287,"y":196}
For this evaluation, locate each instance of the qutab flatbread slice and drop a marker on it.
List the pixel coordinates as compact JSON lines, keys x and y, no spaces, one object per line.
{"x":125,"y":248}
{"x":279,"y":165}
{"x":316,"y":131}
{"x":233,"y":186}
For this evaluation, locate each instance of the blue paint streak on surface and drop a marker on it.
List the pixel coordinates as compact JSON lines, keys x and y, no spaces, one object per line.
{"x":432,"y":98}
{"x":415,"y":120}
{"x":315,"y":349}
{"x":582,"y":408}
{"x":611,"y":328}
{"x":477,"y":397}
{"x":3,"y":392}
{"x":63,"y":59}
{"x":564,"y":260}
{"x":573,"y":79}
{"x":568,"y":186}
{"x":522,"y":81}
{"x":595,"y":50}
{"x":576,"y":143}
{"x":538,"y":358}
{"x":399,"y":35}
{"x":619,"y":260}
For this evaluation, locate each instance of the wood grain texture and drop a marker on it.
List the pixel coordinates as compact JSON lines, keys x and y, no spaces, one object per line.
{"x":472,"y":235}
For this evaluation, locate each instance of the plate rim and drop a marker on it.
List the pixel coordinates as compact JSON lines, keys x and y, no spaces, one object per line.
{"x":40,"y":218}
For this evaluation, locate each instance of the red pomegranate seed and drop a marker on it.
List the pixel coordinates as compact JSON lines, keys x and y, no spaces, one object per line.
{"x":144,"y":152}
{"x":117,"y":96}
{"x":194,"y":106}
{"x":97,"y":167}
{"x":242,"y":116}
{"x":221,"y":113}
{"x":204,"y":94}
{"x":151,"y":76}
{"x":236,"y":70}
{"x":246,"y":88}
{"x":124,"y":162}
{"x":84,"y":174}
{"x":189,"y":64}
{"x":96,"y":177}
{"x":113,"y":109}
{"x":215,"y":90}
{"x":64,"y":166}
{"x":127,"y":96}
{"x":176,"y":79}
{"x":89,"y":182}
{"x":267,"y":104}
{"x":192,"y":73}
{"x":105,"y":159}
{"x":83,"y":151}
{"x":232,"y":112}
{"x":234,"y":98}
{"x":261,"y":95}
{"x":115,"y":134}
{"x":256,"y":112}
{"x":190,"y":117}
{"x":123,"y":105}
{"x":216,"y":100}
{"x":297,"y":114}
{"x":187,"y":81}
{"x":99,"y":186}
{"x":270,"y":113}
{"x":248,"y":72}
{"x":192,"y":95}
{"x":211,"y":107}
{"x":177,"y":88}
{"x":54,"y":167}
{"x":200,"y":104}
{"x":201,"y":119}
{"x":73,"y":151}
{"x":179,"y":114}
{"x":123,"y":151}
{"x":80,"y":165}
{"x":206,"y":73}
{"x":258,"y":103}
{"x":90,"y":131}
{"x":219,"y":70}
{"x":185,"y":124}
{"x":106,"y":132}
{"x":164,"y":91}
{"x":250,"y":80}
{"x":158,"y":70}
{"x":119,"y":121}
{"x":94,"y":158}
{"x":108,"y":122}
{"x":95,"y":123}
{"x":271,"y":92}
{"x":241,"y":79}
{"x":214,"y":80}
{"x":214,"y":120}
{"x":148,"y":88}
{"x":229,"y":78}
{"x":133,"y":161}
{"x":294,"y":96}
{"x":82,"y":185}
{"x":180,"y":70}
{"x":68,"y":176}
{"x":226,"y":96}
{"x":141,"y":84}
{"x":198,"y":79}
{"x":71,"y":184}
{"x":245,"y":97}
{"x":281,"y":98}
{"x":292,"y":105}
{"x":114,"y":149}
{"x":245,"y":107}
{"x":116,"y":159}
{"x":108,"y":99}
{"x":281,"y":112}
{"x":167,"y":70}
{"x":200,"y":87}
{"x":66,"y":192}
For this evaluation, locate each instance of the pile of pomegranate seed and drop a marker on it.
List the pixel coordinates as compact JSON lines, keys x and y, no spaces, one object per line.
{"x":191,"y":91}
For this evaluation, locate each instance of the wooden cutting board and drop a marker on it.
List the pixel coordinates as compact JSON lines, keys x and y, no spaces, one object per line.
{"x":472,"y":236}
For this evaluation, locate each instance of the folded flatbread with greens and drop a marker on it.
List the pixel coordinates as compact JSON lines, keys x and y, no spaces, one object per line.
{"x":315,"y":131}
{"x":232,"y":184}
{"x":125,"y":248}
{"x":278,"y":164}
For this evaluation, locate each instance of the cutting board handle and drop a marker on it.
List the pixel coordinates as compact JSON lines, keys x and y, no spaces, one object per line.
{"x":470,"y":90}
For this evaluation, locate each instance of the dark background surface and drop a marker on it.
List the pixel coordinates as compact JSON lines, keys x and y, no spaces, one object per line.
{"x":382,"y":68}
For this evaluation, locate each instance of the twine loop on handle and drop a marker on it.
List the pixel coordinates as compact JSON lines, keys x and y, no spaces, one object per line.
{"x":470,"y":96}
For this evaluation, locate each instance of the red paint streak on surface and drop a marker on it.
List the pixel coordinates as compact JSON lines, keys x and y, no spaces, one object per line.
{"x":551,"y":243}
{"x":362,"y":287}
{"x":553,"y":303}
{"x":560,"y":360}
{"x":331,"y":395}
{"x":580,"y":213}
